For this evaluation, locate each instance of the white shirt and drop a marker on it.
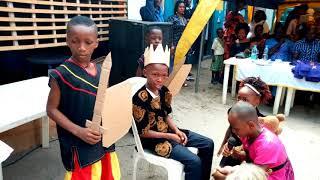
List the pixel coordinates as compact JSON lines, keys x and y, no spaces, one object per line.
{"x":217,"y":47}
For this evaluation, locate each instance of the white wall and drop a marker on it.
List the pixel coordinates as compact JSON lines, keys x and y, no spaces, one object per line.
{"x":134,"y":8}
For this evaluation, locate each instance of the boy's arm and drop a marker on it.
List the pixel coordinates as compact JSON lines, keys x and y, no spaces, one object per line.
{"x":159,"y":135}
{"x":226,"y":137}
{"x":183,"y":137}
{"x":86,"y":134}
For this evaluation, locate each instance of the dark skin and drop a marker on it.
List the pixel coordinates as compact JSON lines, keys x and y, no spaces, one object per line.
{"x":310,"y":37}
{"x":157,"y":3}
{"x":181,"y":9}
{"x":247,"y":95}
{"x":156,"y":75}
{"x":243,"y":128}
{"x":279,"y":36}
{"x":220,"y":35}
{"x":82,"y":41}
{"x":154,"y":37}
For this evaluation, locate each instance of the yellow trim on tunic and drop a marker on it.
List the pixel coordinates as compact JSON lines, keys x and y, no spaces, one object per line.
{"x":78,"y":77}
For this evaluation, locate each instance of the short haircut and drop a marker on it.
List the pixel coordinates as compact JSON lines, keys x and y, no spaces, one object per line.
{"x":261,"y":14}
{"x":256,"y":28}
{"x":83,"y":21}
{"x":243,"y":26}
{"x":151,"y":28}
{"x":244,"y":111}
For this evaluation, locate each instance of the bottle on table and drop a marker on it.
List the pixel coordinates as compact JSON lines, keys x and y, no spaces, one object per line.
{"x":265,"y":53}
{"x":254,"y":52}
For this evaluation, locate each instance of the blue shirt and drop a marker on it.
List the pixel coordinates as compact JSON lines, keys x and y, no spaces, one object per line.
{"x":150,"y":12}
{"x":284,"y":52}
{"x":307,"y":51}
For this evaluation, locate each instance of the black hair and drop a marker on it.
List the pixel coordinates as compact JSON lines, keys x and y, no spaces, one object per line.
{"x":176,"y":6}
{"x":245,"y":111}
{"x":219,"y":29}
{"x":151,"y":28}
{"x":261,"y":15}
{"x":81,"y":20}
{"x":243,"y":26}
{"x":260,"y":86}
{"x":256,"y":28}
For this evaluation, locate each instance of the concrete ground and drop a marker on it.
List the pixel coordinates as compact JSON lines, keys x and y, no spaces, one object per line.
{"x":203,"y":113}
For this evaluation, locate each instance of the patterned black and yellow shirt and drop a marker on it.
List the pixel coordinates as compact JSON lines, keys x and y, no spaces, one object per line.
{"x":150,"y":113}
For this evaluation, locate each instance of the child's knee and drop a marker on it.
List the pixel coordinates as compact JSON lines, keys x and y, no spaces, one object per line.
{"x":194,"y":161}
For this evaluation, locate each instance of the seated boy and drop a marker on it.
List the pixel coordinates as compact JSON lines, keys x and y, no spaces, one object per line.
{"x":151,"y":111}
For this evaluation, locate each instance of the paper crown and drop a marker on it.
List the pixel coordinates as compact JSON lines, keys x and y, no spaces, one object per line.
{"x":158,"y":56}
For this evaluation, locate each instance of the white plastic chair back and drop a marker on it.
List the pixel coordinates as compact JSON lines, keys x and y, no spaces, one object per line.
{"x":137,"y":83}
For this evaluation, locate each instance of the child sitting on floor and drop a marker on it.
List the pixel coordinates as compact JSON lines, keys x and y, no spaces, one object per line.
{"x":261,"y":147}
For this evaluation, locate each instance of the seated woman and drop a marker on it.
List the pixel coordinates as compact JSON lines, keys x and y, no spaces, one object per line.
{"x":279,"y":46}
{"x":259,"y":39}
{"x":242,"y":44}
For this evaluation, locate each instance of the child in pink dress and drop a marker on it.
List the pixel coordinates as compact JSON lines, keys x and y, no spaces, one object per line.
{"x":262,"y":147}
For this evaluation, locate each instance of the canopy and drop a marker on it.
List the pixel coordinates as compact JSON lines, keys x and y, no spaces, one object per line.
{"x":270,"y":4}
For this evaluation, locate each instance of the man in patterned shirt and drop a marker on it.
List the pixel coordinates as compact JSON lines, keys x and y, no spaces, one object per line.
{"x":308,"y":49}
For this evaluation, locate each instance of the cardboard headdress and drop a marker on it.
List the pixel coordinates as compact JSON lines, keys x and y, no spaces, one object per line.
{"x":157,"y":56}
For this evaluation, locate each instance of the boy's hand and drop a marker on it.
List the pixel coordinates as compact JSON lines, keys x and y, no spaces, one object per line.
{"x":183,"y":137}
{"x":176,"y":138}
{"x":89,"y":136}
{"x":238,"y":153}
{"x":226,"y":151}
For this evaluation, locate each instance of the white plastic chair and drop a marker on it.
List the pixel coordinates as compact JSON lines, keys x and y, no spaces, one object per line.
{"x":173,"y":167}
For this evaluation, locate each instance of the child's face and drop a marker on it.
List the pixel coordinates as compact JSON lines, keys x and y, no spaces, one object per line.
{"x":259,"y":31}
{"x":156,"y":75}
{"x":239,"y":127}
{"x":220,"y":33}
{"x":242,"y":34}
{"x":247,"y":95}
{"x":82,"y":41}
{"x":155,"y":37}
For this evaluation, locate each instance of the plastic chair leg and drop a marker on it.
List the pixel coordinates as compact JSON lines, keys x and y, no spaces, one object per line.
{"x":174,"y":174}
{"x":135,"y":166}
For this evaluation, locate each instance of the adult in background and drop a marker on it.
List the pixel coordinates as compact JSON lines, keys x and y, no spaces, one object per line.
{"x":152,"y":11}
{"x":179,"y":23}
{"x":259,"y":18}
{"x":279,"y":46}
{"x":293,"y":21}
{"x":232,"y":20}
{"x":307,"y":49}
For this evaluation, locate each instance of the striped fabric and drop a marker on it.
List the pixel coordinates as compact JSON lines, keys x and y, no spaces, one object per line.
{"x":105,"y":169}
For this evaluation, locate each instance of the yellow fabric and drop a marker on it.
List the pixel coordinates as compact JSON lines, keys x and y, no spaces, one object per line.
{"x":250,"y":13}
{"x":68,"y":175}
{"x":115,"y":166}
{"x":199,"y":19}
{"x":96,"y":171}
{"x":85,"y":81}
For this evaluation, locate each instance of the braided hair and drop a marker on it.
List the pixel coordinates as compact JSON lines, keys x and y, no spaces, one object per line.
{"x":261,"y":87}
